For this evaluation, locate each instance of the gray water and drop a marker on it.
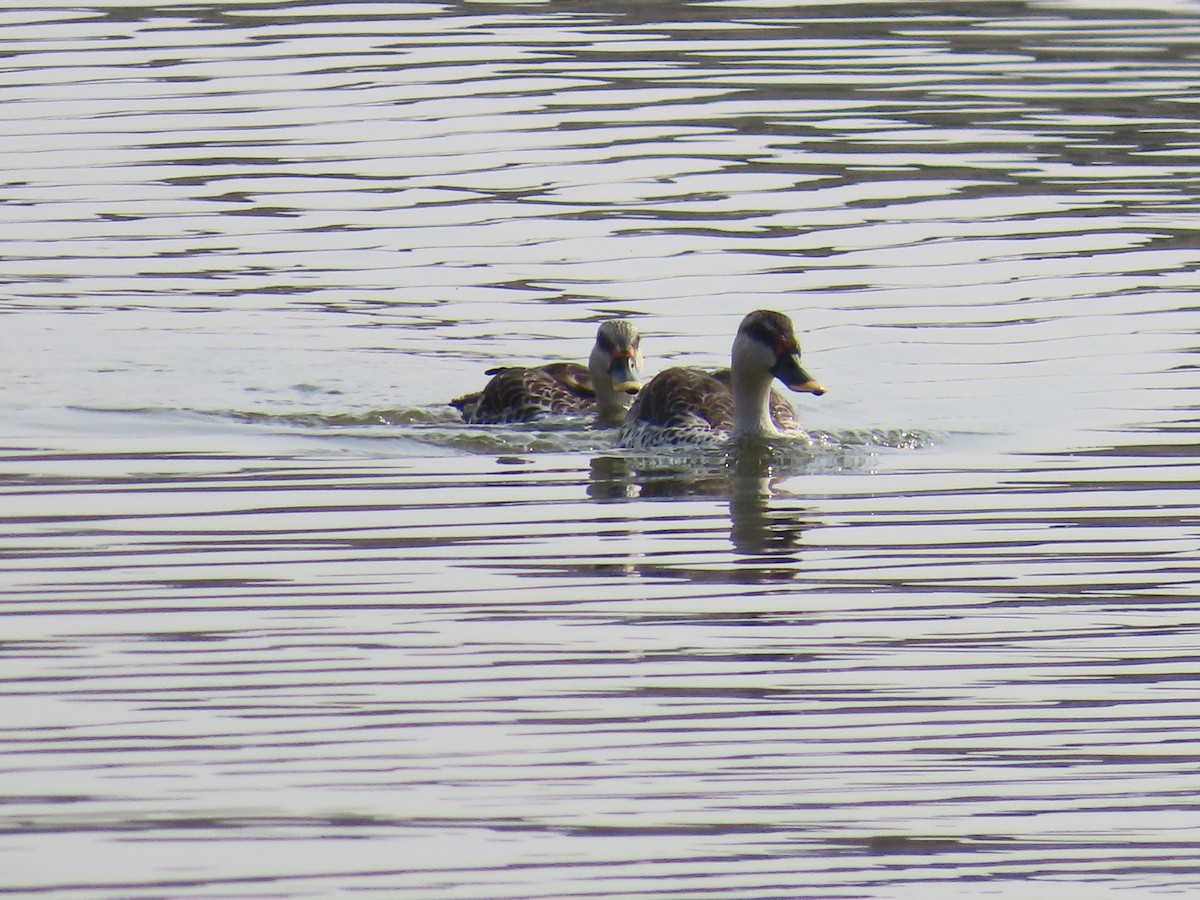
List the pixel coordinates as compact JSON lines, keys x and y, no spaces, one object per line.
{"x":275,"y":624}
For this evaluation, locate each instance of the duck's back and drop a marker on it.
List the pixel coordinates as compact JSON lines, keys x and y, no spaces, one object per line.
{"x":679,"y":407}
{"x":522,"y":394}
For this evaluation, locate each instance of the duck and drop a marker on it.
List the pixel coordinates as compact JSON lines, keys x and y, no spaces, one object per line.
{"x":690,"y":407}
{"x":604,"y":388}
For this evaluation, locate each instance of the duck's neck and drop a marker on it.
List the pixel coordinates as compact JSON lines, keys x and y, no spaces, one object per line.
{"x":610,"y":405}
{"x":751,"y":394}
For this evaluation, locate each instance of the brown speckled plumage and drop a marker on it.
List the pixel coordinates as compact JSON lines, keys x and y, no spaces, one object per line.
{"x":688,"y":405}
{"x":523,"y":393}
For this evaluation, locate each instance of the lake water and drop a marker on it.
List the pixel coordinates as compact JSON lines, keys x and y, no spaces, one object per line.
{"x":276,"y":625}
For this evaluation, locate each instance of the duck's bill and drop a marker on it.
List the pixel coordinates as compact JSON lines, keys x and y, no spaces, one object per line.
{"x":625,"y":376}
{"x":788,"y":370}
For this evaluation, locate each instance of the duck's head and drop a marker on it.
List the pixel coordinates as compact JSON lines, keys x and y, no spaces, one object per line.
{"x":616,"y":359}
{"x":766,"y":346}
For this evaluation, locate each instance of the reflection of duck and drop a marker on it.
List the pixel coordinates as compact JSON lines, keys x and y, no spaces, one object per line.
{"x":767,"y":528}
{"x":689,"y":407}
{"x":603,"y":387}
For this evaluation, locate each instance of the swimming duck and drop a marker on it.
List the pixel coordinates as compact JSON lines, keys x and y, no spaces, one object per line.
{"x":604,"y":387}
{"x":682,"y":406}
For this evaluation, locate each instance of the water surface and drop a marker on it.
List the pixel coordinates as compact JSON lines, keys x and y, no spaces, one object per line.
{"x":275,"y":624}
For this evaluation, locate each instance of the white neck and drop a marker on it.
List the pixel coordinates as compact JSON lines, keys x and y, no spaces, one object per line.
{"x":750,"y":382}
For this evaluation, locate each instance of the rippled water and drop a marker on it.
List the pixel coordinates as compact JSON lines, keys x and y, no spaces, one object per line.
{"x":276,"y":624}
